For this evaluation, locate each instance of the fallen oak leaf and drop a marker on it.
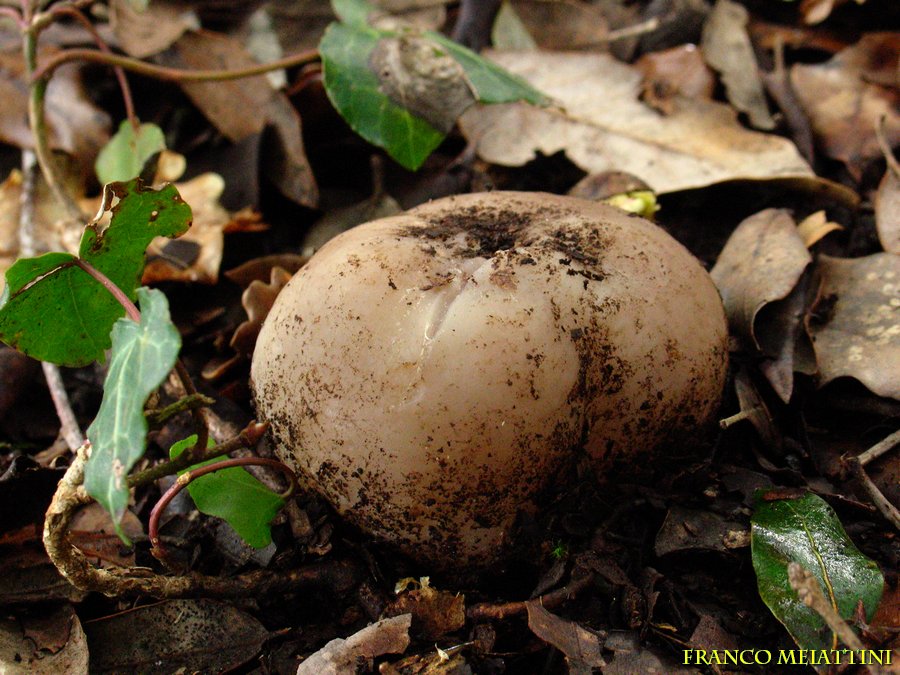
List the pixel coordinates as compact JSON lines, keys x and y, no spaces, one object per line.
{"x":854,"y":326}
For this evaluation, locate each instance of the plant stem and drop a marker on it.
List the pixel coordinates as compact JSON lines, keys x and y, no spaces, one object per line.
{"x":130,"y":309}
{"x":78,"y":15}
{"x":169,"y":74}
{"x":248,"y":438}
{"x":38,"y":123}
{"x":69,"y":428}
{"x":159,"y":416}
{"x":187,"y":477}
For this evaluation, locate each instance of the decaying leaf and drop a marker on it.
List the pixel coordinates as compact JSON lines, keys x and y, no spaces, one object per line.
{"x":692,"y":530}
{"x":194,"y":635}
{"x":75,"y":124}
{"x":388,"y":636}
{"x":259,"y":269}
{"x":605,"y":127}
{"x":756,"y":411}
{"x":93,"y":532}
{"x":855,"y":328}
{"x":379,"y":205}
{"x":434,"y":613}
{"x":563,"y":25}
{"x":257,"y":300}
{"x":815,"y":226}
{"x":153,"y":29}
{"x":673,"y":73}
{"x":845,"y":104}
{"x":583,"y":648}
{"x":44,"y":643}
{"x":726,"y":47}
{"x":887,"y":198}
{"x":761,"y":262}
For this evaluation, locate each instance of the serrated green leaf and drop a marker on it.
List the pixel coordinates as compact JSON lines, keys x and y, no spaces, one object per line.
{"x":807,"y":531}
{"x":124,"y":156}
{"x":355,"y":93}
{"x":142,"y":355}
{"x":374,"y":111}
{"x":235,"y":496}
{"x":54,"y":311}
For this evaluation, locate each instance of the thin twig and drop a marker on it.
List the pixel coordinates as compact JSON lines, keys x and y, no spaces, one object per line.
{"x":78,"y":15}
{"x":169,"y":74}
{"x":810,"y":593}
{"x":338,"y":576}
{"x":486,"y":610}
{"x":199,"y":414}
{"x":156,"y":547}
{"x":888,"y":510}
{"x":69,"y":428}
{"x":880,"y":448}
{"x":247,"y":438}
{"x":159,"y":416}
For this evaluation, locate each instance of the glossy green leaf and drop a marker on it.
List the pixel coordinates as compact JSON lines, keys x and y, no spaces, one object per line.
{"x":54,"y":311}
{"x":807,"y":531}
{"x":124,"y":157}
{"x":142,"y":355}
{"x":355,"y":90}
{"x":235,"y":496}
{"x":355,"y":93}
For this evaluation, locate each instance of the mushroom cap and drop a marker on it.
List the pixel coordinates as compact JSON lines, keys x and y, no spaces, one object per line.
{"x":432,"y":373}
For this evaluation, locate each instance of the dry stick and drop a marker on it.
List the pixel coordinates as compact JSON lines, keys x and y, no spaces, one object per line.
{"x":28,"y":246}
{"x":156,"y":547}
{"x":486,"y":610}
{"x":340,"y":576}
{"x":79,"y":16}
{"x":856,"y":464}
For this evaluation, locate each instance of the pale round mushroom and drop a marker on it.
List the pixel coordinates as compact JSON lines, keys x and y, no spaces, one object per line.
{"x":433,"y":373}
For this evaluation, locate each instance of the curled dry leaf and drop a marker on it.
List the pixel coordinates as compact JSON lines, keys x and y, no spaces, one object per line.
{"x":259,"y":269}
{"x":761,"y":262}
{"x":49,"y":643}
{"x":672,"y":73}
{"x":257,"y":300}
{"x":605,"y":127}
{"x":755,"y":409}
{"x":816,"y":226}
{"x":388,"y":636}
{"x":583,"y":648}
{"x":727,"y":48}
{"x":845,"y":102}
{"x":854,"y":329}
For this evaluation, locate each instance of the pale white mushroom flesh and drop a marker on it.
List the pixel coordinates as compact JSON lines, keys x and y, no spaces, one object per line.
{"x":432,"y":374}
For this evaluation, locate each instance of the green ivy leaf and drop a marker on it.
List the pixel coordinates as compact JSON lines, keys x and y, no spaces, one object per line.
{"x":142,"y":355}
{"x":235,"y":496}
{"x":54,"y":311}
{"x":403,"y":108}
{"x":807,"y":531}
{"x":124,"y":157}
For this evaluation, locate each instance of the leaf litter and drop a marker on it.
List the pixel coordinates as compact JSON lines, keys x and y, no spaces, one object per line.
{"x":669,"y":560}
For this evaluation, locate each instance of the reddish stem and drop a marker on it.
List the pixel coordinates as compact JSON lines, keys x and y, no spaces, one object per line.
{"x":130,"y":309}
{"x":156,"y":547}
{"x":69,"y":10}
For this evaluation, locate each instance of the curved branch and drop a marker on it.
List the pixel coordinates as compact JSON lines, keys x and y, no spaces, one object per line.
{"x":168,"y":74}
{"x":339,"y":576}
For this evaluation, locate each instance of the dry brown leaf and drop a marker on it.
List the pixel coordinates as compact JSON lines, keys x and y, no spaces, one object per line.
{"x":754,"y":409}
{"x":257,"y":300}
{"x":47,"y":644}
{"x":562,"y":25}
{"x":434,"y":613}
{"x":727,"y":48}
{"x":177,"y":260}
{"x":583,"y":648}
{"x":388,"y":636}
{"x":679,"y":71}
{"x":93,"y":532}
{"x":693,"y":530}
{"x":237,"y":108}
{"x":283,"y":155}
{"x":815,"y":226}
{"x":855,"y":330}
{"x":887,"y":212}
{"x":259,"y":269}
{"x":76,"y":125}
{"x":845,"y":105}
{"x":606,"y":128}
{"x":710,"y":635}
{"x":156,"y":28}
{"x":189,"y":635}
{"x":762,"y":262}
